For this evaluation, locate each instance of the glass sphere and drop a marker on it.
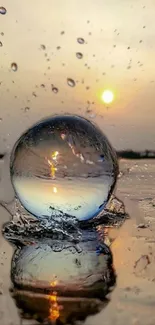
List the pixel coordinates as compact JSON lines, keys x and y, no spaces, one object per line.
{"x":63,"y":164}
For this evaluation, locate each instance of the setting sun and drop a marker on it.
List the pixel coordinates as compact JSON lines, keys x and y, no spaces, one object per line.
{"x":107,"y":96}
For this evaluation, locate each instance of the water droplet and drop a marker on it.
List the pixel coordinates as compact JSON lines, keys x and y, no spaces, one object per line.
{"x":43,"y":47}
{"x":58,"y":47}
{"x":140,"y":41}
{"x":34,"y":94}
{"x":14,"y":66}
{"x":42,"y":86}
{"x":2,"y":34}
{"x":79,"y":55}
{"x":26,"y":109}
{"x":3,"y":11}
{"x":128,"y":48}
{"x":54,"y":89}
{"x":56,"y":166}
{"x":1,"y":119}
{"x":71,"y":82}
{"x":90,"y":113}
{"x":62,"y":32}
{"x":1,"y":44}
{"x":80,"y":40}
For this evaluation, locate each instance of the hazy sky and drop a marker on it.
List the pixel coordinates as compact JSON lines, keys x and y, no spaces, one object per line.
{"x":118,"y":53}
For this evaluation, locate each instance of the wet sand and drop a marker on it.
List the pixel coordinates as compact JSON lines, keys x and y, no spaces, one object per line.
{"x":132,"y":301}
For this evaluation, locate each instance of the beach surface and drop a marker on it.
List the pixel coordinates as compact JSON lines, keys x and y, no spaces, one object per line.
{"x":133,"y":299}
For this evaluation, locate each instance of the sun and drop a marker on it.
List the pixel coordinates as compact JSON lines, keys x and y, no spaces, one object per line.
{"x":107,"y":96}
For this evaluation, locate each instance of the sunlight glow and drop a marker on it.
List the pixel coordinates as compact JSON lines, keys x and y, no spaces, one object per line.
{"x":107,"y":96}
{"x":54,"y":155}
{"x":55,"y":189}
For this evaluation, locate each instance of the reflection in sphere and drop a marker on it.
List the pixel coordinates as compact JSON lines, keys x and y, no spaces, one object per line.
{"x":66,"y":164}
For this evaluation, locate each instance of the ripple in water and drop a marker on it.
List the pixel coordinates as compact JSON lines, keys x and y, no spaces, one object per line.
{"x":63,"y":164}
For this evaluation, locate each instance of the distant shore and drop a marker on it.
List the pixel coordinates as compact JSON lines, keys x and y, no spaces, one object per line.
{"x":130,"y":154}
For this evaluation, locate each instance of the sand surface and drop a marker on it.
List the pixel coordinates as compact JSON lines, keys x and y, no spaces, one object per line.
{"x":132,"y":301}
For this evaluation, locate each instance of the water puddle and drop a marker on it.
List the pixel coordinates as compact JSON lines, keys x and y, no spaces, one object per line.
{"x":60,"y":275}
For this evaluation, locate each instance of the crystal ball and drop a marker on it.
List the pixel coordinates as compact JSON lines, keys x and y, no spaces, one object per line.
{"x":63,"y":164}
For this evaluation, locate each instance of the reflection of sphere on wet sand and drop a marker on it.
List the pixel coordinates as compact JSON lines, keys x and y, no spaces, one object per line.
{"x":67,"y":283}
{"x":72,"y":270}
{"x":52,"y":309}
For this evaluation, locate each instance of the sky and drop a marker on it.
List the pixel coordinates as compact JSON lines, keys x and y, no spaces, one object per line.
{"x":118,"y":54}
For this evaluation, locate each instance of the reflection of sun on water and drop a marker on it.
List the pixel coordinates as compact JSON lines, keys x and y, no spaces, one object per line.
{"x":54,"y":155}
{"x":51,"y":164}
{"x":55,"y":189}
{"x":54,"y":307}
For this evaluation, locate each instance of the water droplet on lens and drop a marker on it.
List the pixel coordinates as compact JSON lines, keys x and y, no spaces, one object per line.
{"x":26,"y":109}
{"x":80,"y":40}
{"x":54,"y":89}
{"x":3,"y":11}
{"x":79,"y":55}
{"x":58,"y":47}
{"x":71,"y":82}
{"x":91,"y":115}
{"x":56,"y":167}
{"x":43,"y":47}
{"x":14,"y":66}
{"x":62,"y":33}
{"x":1,"y":44}
{"x":2,"y":34}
